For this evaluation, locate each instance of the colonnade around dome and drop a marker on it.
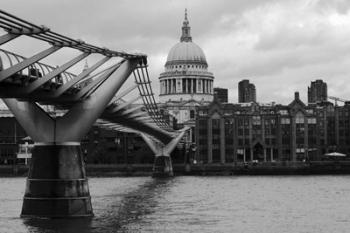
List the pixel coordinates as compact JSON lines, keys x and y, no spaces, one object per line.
{"x":186,"y":85}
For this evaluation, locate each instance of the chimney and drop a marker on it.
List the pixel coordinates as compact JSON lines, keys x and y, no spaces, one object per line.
{"x":296,"y":95}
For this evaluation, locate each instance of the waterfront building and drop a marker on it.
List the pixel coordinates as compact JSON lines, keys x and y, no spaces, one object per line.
{"x":317,"y":92}
{"x":99,"y":146}
{"x":228,"y":132}
{"x":246,"y":92}
{"x":11,"y":134}
{"x":221,"y":94}
{"x":186,"y":82}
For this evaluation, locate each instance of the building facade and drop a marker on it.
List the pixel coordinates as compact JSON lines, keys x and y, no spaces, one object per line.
{"x":186,"y":82}
{"x":221,"y":94}
{"x":11,"y":134}
{"x":317,"y":92}
{"x":251,"y":132}
{"x":246,"y":92}
{"x":99,"y":146}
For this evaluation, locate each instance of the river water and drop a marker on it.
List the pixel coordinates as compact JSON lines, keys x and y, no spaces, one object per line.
{"x":197,"y":204}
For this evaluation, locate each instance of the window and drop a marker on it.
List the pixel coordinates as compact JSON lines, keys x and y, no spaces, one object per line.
{"x":283,"y":112}
{"x":285,"y":121}
{"x":202,"y":113}
{"x":256,"y":120}
{"x":191,"y":114}
{"x":300,"y":150}
{"x":299,"y":119}
{"x":216,"y":123}
{"x":311,"y":120}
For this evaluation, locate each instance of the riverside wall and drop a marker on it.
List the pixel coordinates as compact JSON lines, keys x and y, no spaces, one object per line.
{"x":262,"y":168}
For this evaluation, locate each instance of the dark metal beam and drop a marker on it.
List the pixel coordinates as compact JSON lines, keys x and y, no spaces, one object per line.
{"x":7,"y":37}
{"x":4,"y":74}
{"x":42,"y":80}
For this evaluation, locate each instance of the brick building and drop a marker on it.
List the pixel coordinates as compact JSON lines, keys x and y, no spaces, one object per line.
{"x":228,"y":133}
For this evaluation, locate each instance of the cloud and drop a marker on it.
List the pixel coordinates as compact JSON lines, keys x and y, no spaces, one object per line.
{"x":285,"y":43}
{"x":279,"y":45}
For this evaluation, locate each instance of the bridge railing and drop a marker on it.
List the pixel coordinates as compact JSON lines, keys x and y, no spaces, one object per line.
{"x":16,"y":27}
{"x":34,"y":71}
{"x":143,"y":81}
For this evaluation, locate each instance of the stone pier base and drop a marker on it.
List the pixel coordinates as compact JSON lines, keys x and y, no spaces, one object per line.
{"x":162,"y":167}
{"x":57,"y":186}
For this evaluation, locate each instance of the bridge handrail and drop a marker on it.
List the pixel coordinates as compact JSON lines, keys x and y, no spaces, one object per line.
{"x":38,"y":66}
{"x":143,"y":82}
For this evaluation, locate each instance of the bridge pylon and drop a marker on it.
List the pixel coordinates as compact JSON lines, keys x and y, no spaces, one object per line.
{"x":57,"y":186}
{"x":162,"y":166}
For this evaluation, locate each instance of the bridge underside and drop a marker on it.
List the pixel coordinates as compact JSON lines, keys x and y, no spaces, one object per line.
{"x":57,"y":185}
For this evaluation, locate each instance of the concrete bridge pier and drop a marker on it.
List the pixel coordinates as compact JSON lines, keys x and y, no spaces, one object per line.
{"x":162,"y":166}
{"x":57,"y":186}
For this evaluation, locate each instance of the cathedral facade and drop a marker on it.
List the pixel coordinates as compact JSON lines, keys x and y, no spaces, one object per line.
{"x":186,"y":82}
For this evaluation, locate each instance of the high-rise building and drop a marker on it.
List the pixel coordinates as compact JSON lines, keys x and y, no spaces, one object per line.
{"x":246,"y":92}
{"x":317,"y":92}
{"x":221,"y":94}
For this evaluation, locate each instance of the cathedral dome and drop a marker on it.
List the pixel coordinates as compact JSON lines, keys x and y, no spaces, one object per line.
{"x":186,"y":52}
{"x":186,"y":76}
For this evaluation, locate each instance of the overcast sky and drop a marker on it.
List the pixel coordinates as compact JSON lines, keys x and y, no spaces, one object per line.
{"x":281,"y":46}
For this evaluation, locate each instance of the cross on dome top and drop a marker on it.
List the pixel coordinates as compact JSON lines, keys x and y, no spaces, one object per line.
{"x":186,"y":30}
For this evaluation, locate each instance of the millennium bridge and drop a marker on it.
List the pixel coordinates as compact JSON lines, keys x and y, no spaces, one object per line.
{"x":57,"y":185}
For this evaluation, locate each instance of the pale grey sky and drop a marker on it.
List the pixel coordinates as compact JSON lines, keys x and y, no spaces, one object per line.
{"x":281,"y":46}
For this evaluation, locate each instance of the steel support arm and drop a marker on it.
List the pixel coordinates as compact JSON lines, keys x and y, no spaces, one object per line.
{"x":155,"y":147}
{"x":165,"y":149}
{"x":171,"y":146}
{"x":35,"y":121}
{"x":76,"y":123}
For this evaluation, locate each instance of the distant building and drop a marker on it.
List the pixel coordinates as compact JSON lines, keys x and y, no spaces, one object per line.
{"x":246,"y":92}
{"x":317,"y":92}
{"x":221,"y":94}
{"x":229,"y":133}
